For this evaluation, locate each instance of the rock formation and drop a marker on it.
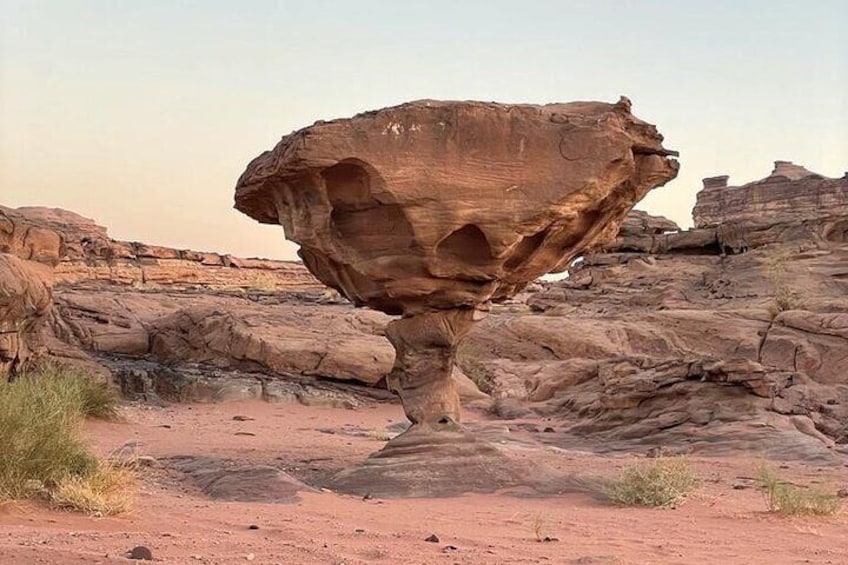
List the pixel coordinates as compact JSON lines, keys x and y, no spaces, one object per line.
{"x":435,"y":209}
{"x":27,"y":254}
{"x":83,"y":252}
{"x":684,"y":340}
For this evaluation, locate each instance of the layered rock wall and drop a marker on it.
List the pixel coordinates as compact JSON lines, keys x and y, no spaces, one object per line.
{"x":83,"y":252}
{"x":680,"y":338}
{"x":28,"y":252}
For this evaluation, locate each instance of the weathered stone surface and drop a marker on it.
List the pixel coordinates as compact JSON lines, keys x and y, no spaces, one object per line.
{"x":24,"y":304}
{"x":452,"y":462}
{"x":432,"y":209}
{"x":226,"y":480}
{"x":27,"y":239}
{"x":652,"y":343}
{"x":83,"y":252}
{"x":791,"y":193}
{"x":438,"y":205}
{"x":272,"y":334}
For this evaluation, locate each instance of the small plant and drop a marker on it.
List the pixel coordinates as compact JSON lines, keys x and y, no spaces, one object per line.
{"x":381,"y":435}
{"x":41,"y":449}
{"x":468,"y":361}
{"x":659,"y":482}
{"x":792,"y":500}
{"x":785,"y":298}
{"x":539,"y":527}
{"x":105,"y":492}
{"x":97,"y":399}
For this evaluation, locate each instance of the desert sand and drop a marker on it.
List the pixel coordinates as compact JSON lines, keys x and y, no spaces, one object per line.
{"x":723,"y":522}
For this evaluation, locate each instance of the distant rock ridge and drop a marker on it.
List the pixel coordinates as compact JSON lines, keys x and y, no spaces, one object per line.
{"x":791,"y":203}
{"x":82,"y":251}
{"x":790,"y":194}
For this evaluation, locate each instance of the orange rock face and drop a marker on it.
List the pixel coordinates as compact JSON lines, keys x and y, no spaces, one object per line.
{"x":435,"y":205}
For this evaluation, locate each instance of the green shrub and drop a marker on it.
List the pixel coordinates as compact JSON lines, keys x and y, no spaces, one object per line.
{"x":792,"y":500}
{"x":657,"y":482}
{"x":97,"y":399}
{"x":41,"y":448}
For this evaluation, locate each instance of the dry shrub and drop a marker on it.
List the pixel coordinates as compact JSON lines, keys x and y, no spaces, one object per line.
{"x":41,"y":447}
{"x":658,"y":482}
{"x":105,"y":492}
{"x":785,"y":498}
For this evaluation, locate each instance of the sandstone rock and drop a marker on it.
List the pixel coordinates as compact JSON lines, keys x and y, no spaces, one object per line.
{"x":83,"y":253}
{"x":224,"y":480}
{"x":433,"y":205}
{"x":791,"y":193}
{"x":433,"y":209}
{"x":24,"y":304}
{"x":666,"y":339}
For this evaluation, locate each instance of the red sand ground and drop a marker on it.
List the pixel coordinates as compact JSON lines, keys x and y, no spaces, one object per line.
{"x":719,"y":524}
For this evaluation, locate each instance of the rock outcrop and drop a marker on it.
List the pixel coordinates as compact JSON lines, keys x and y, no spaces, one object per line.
{"x":789,"y":194}
{"x":675,"y":339}
{"x":437,"y":205}
{"x":27,"y":253}
{"x":83,"y":252}
{"x":433,"y":209}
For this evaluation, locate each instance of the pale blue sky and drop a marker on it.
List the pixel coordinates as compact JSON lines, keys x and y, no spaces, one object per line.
{"x":143,"y":114}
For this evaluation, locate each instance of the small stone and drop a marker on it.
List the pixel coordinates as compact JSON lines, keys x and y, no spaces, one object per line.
{"x":548,"y":430}
{"x":842,"y":493}
{"x":253,"y":527}
{"x":449,"y":549}
{"x":141,"y":553}
{"x":359,"y":531}
{"x":739,"y":487}
{"x":250,"y":557}
{"x":242,"y":418}
{"x":432,"y":538}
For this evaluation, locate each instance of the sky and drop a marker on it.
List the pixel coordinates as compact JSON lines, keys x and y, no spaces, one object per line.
{"x":143,"y":114}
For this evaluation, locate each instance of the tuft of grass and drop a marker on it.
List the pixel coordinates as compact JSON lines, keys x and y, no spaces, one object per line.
{"x":97,"y":398}
{"x":41,"y":447}
{"x":659,"y":482}
{"x":467,"y":358}
{"x":39,"y":436}
{"x":792,"y":500}
{"x":539,"y":527}
{"x":105,"y":492}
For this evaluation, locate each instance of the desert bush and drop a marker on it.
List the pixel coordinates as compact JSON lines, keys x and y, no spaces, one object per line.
{"x":785,"y":297}
{"x":97,"y":398}
{"x":656,"y":482}
{"x":105,"y":492}
{"x":468,"y":360}
{"x":41,"y":448}
{"x":786,"y":498}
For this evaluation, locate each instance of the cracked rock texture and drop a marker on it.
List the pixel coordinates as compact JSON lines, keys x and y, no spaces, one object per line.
{"x":434,"y":205}
{"x":682,"y":339}
{"x":432,"y":209}
{"x":27,"y":254}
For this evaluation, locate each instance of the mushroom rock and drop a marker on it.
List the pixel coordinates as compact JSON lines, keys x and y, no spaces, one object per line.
{"x":432,"y":209}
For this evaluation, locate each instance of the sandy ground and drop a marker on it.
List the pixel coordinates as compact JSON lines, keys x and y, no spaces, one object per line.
{"x":724,"y":522}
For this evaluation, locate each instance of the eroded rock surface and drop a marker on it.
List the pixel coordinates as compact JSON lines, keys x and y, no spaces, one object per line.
{"x":433,"y":209}
{"x":24,"y":304}
{"x":676,"y":339}
{"x":28,"y":252}
{"x":83,"y":253}
{"x":436,"y":205}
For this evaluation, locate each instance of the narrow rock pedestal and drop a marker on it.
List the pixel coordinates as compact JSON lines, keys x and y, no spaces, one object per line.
{"x":425,"y":346}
